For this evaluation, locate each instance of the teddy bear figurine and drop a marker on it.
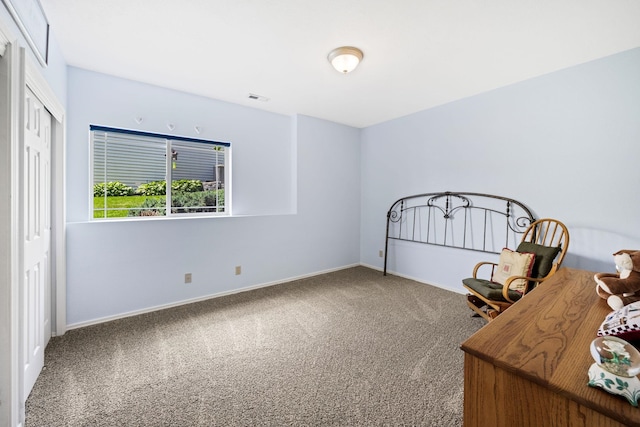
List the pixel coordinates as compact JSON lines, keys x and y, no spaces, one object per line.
{"x":622,"y":288}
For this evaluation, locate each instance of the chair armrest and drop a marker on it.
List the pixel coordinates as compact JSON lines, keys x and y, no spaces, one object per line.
{"x":507,"y":284}
{"x":537,"y":281}
{"x":480,"y":264}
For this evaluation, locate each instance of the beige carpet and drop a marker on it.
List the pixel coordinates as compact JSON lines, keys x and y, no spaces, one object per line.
{"x":347,"y":348}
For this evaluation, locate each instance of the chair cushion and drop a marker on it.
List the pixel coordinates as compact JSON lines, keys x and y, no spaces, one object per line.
{"x":490,"y":290}
{"x":513,"y":264}
{"x":545,"y":255}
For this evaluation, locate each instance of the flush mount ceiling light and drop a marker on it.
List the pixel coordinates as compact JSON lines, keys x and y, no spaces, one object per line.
{"x":345,"y":59}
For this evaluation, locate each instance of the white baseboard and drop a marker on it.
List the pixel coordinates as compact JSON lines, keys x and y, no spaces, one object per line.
{"x":437,"y":285}
{"x":202,"y":298}
{"x":373,"y":267}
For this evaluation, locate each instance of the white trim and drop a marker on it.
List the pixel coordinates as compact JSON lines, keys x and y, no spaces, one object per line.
{"x":203,"y":298}
{"x":11,"y":408}
{"x":59,"y":223}
{"x":228,"y":167}
{"x":25,"y":18}
{"x":16,"y":112}
{"x":415,"y":279}
{"x":373,"y":267}
{"x":91,"y":160}
{"x":17,"y":121}
{"x":4,"y":41}
{"x":41,"y":89}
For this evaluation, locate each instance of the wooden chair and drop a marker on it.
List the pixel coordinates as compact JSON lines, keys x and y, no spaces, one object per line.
{"x":547,"y":239}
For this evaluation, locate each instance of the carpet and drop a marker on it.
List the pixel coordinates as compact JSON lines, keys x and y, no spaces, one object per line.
{"x":347,"y":348}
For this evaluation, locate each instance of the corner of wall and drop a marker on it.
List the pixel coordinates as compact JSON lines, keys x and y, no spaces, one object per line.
{"x":294,"y":164}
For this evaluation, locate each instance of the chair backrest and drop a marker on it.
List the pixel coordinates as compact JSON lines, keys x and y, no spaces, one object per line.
{"x":551,"y":233}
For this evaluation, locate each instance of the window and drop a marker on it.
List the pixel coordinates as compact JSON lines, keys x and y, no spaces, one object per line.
{"x":141,"y":174}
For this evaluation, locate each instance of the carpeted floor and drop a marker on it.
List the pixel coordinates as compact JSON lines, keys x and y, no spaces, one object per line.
{"x":349,"y":348}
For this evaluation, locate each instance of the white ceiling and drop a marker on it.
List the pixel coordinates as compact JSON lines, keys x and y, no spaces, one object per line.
{"x":417,"y":53}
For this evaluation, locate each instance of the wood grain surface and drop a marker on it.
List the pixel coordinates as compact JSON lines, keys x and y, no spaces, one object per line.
{"x":530,"y":364}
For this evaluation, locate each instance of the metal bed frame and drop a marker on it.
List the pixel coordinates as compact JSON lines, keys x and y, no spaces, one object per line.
{"x":473,"y":221}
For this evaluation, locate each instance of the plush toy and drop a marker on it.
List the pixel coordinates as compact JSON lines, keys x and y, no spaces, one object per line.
{"x":622,"y":288}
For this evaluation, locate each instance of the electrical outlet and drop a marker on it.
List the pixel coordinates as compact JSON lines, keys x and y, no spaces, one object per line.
{"x":238,"y":270}
{"x":187,"y":278}
{"x":380,"y":253}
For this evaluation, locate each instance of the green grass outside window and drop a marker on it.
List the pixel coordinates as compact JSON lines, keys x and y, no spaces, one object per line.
{"x":118,"y":206}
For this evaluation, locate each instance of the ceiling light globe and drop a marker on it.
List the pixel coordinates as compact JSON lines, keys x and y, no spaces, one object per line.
{"x":345,"y":59}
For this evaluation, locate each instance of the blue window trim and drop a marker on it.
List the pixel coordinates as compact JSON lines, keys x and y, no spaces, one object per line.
{"x":157,"y":135}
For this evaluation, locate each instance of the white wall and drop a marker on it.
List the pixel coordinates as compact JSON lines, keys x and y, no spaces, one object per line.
{"x":289,"y":176}
{"x":567,"y":144}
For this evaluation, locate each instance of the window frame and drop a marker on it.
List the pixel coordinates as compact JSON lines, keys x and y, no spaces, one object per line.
{"x":167,"y":140}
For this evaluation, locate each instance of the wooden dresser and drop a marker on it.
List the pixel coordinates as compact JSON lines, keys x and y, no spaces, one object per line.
{"x":529,"y":366}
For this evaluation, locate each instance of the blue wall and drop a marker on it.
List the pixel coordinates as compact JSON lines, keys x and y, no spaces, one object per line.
{"x":296,"y":184}
{"x":56,"y":71}
{"x":567,"y":144}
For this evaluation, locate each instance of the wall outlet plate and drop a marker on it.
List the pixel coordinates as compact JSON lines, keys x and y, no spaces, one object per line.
{"x":187,"y":278}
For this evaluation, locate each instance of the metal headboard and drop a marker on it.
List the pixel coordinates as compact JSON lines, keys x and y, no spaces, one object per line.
{"x":472,"y":221}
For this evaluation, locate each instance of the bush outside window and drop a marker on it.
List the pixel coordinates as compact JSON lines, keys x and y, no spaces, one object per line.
{"x":141,"y":174}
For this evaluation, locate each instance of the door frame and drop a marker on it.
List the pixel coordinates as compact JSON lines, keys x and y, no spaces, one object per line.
{"x":21,"y":71}
{"x":42,"y":91}
{"x":9,"y":320}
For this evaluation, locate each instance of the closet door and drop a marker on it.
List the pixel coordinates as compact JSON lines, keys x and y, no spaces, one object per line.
{"x":35,"y":213}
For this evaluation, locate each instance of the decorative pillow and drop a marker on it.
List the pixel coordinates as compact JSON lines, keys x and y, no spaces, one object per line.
{"x":514,"y":264}
{"x":545,"y":255}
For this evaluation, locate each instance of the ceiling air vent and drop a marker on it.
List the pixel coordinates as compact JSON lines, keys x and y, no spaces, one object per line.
{"x":258,"y":97}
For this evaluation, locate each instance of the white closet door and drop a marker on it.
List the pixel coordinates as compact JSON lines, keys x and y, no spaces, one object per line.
{"x":36,"y":238}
